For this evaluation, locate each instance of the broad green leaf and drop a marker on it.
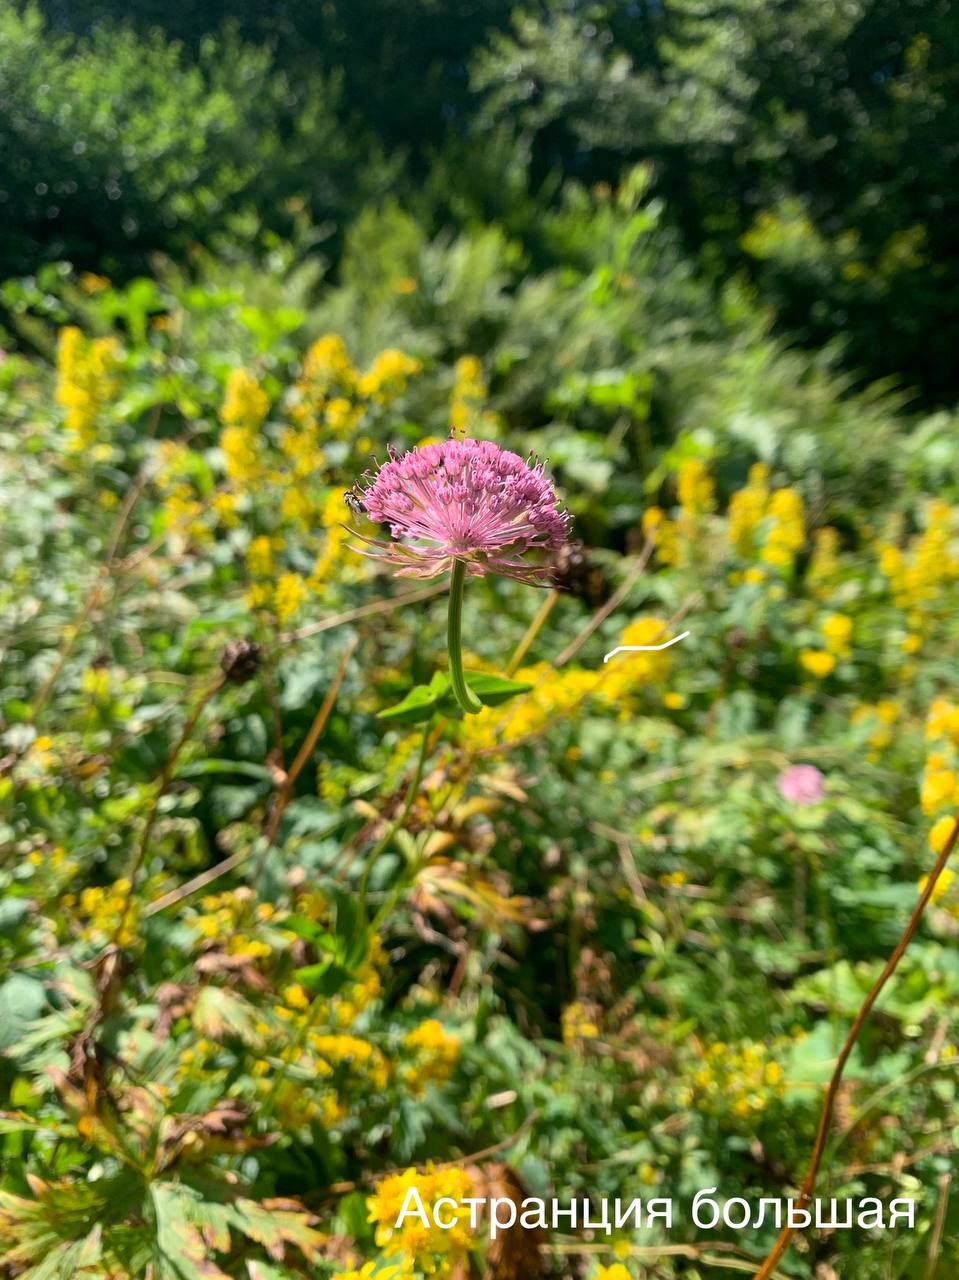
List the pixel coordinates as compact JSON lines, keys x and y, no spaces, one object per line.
{"x":420,"y":703}
{"x":181,"y":1252}
{"x":492,"y":690}
{"x":219,"y":1013}
{"x":12,"y":912}
{"x":22,"y":1000}
{"x":324,"y":979}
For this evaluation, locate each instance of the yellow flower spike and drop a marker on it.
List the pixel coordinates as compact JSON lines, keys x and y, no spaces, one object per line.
{"x":86,"y":383}
{"x":695,"y":487}
{"x":245,"y":403}
{"x":290,"y":592}
{"x":747,"y":508}
{"x":259,"y":556}
{"x":240,"y":458}
{"x":824,"y":567}
{"x":661,"y":531}
{"x":387,"y":376}
{"x":328,"y":362}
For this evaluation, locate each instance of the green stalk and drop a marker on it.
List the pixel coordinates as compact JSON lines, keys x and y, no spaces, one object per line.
{"x":461,"y":690}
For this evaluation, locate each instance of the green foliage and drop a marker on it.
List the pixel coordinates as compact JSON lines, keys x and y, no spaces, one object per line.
{"x":119,"y":145}
{"x":260,"y":941}
{"x":803,"y":146}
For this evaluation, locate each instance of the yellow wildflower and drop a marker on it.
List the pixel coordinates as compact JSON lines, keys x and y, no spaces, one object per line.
{"x":942,"y":721}
{"x":225,"y":508}
{"x":628,"y":671}
{"x":817,"y":662}
{"x":427,"y":1247}
{"x":328,"y":362}
{"x":786,"y":528}
{"x":939,"y":788}
{"x":90,"y":282}
{"x":577,"y":1024}
{"x":289,"y":594}
{"x":245,"y":403}
{"x":86,"y":382}
{"x":259,"y":556}
{"x":661,"y":531}
{"x":940,"y":833}
{"x":239,"y":448}
{"x":469,"y":393}
{"x":746,"y":509}
{"x":837,"y":631}
{"x":918,"y":575}
{"x":437,"y":1052}
{"x":296,"y":996}
{"x":341,"y":415}
{"x":694,"y":487}
{"x":824,"y":566}
{"x":943,"y":884}
{"x":387,"y":376}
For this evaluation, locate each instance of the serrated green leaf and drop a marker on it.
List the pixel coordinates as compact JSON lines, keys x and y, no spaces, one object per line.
{"x":219,"y":1013}
{"x":181,"y":1252}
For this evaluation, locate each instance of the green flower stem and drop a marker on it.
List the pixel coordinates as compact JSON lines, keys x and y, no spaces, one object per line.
{"x":461,"y":690}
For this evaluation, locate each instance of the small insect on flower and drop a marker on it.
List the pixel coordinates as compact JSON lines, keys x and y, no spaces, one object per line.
{"x":352,"y":500}
{"x":465,"y":502}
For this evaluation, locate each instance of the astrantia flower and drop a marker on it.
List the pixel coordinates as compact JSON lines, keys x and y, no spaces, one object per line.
{"x":468,"y":502}
{"x":801,"y":784}
{"x":469,"y":507}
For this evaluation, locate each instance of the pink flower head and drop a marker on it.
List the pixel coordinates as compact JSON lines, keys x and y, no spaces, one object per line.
{"x":801,"y":784}
{"x":466,"y":500}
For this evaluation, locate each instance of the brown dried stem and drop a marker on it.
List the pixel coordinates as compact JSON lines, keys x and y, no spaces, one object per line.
{"x":282,"y":797}
{"x":166,"y":778}
{"x":768,"y":1267}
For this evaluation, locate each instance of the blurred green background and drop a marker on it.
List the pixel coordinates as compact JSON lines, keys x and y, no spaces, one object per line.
{"x":808,"y":147}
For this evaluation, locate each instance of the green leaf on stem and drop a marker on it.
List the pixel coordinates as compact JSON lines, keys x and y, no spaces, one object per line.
{"x":420,"y":703}
{"x":437,"y":697}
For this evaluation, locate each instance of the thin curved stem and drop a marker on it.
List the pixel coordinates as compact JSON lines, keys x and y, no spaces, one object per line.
{"x":532,"y":631}
{"x":809,"y":1182}
{"x":166,"y":777}
{"x":454,"y":639}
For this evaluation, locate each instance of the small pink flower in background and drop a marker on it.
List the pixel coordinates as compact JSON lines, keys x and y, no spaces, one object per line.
{"x":801,"y":784}
{"x":466,"y":501}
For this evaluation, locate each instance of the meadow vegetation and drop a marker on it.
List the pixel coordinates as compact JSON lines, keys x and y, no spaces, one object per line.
{"x":284,"y":933}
